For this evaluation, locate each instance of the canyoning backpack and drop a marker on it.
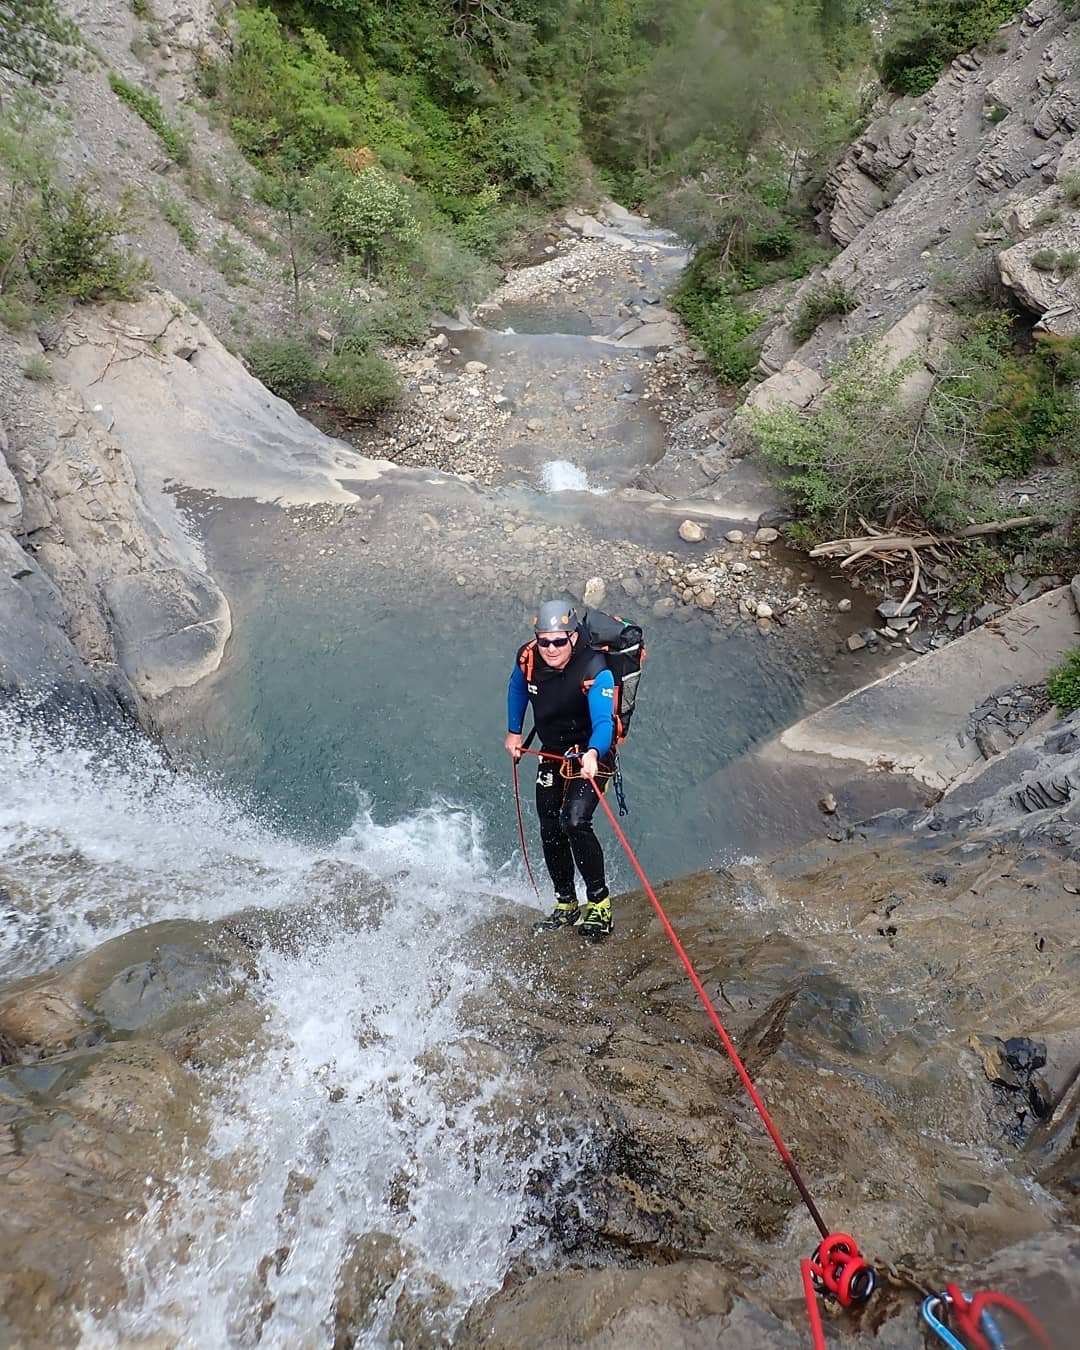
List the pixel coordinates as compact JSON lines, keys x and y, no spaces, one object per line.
{"x":622,"y":645}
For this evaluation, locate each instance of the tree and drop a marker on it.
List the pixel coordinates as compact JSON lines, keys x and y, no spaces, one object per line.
{"x":33,"y":35}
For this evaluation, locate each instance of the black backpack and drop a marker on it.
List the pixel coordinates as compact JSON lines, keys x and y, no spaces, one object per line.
{"x":622,"y":645}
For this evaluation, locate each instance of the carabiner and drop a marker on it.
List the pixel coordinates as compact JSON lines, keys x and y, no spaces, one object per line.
{"x":931,"y":1306}
{"x":933,"y":1303}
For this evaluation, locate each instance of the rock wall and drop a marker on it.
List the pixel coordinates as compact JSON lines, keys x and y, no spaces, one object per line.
{"x":100,"y":611}
{"x":951,"y":193}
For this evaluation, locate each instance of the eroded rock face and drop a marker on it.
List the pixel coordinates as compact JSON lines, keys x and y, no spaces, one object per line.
{"x":79,"y":1136}
{"x":911,"y":956}
{"x":921,"y":201}
{"x":107,"y":606}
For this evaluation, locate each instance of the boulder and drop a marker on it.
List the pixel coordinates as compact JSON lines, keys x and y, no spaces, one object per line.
{"x":171,"y":626}
{"x":691,"y":532}
{"x":595,"y":593}
{"x":795,"y":385}
{"x":1030,"y":270}
{"x":11,"y":503}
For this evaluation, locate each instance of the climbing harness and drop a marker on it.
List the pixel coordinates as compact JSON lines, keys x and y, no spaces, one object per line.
{"x":837,"y":1268}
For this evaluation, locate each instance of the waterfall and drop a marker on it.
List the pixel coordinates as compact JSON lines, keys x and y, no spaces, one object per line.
{"x":369,"y":1104}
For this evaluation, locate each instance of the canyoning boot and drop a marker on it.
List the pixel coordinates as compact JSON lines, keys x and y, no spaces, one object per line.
{"x":565,"y":914}
{"x":596,"y":920}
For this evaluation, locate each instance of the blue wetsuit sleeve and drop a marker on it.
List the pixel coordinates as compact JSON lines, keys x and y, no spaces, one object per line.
{"x":517,"y":700}
{"x":602,"y":712}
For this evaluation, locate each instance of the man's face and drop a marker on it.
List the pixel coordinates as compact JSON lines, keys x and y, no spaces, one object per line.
{"x":556,"y":648}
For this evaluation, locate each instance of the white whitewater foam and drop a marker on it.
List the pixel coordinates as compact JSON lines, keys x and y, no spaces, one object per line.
{"x":370,"y":1105}
{"x":559,"y":475}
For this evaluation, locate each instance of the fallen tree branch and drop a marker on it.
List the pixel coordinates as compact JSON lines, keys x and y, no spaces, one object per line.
{"x":914,"y":581}
{"x":893,"y":543}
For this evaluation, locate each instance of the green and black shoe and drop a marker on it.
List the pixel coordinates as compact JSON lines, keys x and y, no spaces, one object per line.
{"x":596,"y":920}
{"x":565,"y":914}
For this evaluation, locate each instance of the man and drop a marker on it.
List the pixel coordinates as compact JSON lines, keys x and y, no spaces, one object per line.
{"x":572,"y":693}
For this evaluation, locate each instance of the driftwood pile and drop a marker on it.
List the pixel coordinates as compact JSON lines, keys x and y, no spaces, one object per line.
{"x":887,"y":547}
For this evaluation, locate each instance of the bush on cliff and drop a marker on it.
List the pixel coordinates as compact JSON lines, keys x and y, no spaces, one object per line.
{"x":925,"y":35}
{"x":1063,"y":684}
{"x":872,"y":448}
{"x":284,"y":365}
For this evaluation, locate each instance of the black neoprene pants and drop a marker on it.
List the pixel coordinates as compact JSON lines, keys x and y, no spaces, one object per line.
{"x":565,"y":807}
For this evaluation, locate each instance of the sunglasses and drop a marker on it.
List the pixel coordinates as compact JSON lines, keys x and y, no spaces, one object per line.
{"x":553,"y":642}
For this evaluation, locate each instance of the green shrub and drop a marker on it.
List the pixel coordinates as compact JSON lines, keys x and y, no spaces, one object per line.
{"x":284,"y":365}
{"x":867,"y":451}
{"x":1044,"y":260}
{"x":1070,"y":188}
{"x":368,"y":213}
{"x":1047,"y":216}
{"x":1063,"y":683}
{"x":38,"y":370}
{"x":974,"y":570}
{"x":823,"y":301}
{"x":177,"y":215}
{"x":720,"y":325}
{"x":363,"y":382}
{"x":925,"y":35}
{"x":15,"y":314}
{"x":76,"y":252}
{"x":1067,"y":262}
{"x":230,"y":260}
{"x":174,"y":139}
{"x":997,"y":114}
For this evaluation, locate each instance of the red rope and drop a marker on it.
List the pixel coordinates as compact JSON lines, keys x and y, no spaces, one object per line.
{"x":967,"y":1314}
{"x":837,"y":1266}
{"x":728,"y":1044}
{"x":521,"y":830}
{"x":813,"y":1312}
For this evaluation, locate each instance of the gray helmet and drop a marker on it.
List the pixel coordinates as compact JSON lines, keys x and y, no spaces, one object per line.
{"x":556,"y":616}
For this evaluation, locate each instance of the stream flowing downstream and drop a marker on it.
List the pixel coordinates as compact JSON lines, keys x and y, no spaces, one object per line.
{"x":329,"y":879}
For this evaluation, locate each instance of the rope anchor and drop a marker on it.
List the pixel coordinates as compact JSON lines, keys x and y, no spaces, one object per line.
{"x":837,"y":1268}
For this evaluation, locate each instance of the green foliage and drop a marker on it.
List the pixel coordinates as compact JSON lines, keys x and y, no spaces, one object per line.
{"x":15,"y":314}
{"x":925,"y":35}
{"x":826,"y":300}
{"x":368,"y":214}
{"x":38,"y":370}
{"x":284,"y":365}
{"x":1047,"y":216}
{"x":35,"y":39}
{"x":1070,"y":188}
{"x":229,"y":259}
{"x":178,"y":216}
{"x":854,"y":455}
{"x":175,"y":140}
{"x":872,"y":448}
{"x":1044,"y":260}
{"x":1063,"y":683}
{"x":363,"y":381}
{"x":975,"y":570}
{"x":76,"y":253}
{"x":1033,"y":411}
{"x":719,"y":324}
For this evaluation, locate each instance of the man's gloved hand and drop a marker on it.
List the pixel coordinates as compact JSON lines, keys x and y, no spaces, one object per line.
{"x":513,"y":743}
{"x":590,"y":762}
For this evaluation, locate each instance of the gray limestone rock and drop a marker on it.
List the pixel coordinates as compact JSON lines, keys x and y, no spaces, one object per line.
{"x":170,"y":626}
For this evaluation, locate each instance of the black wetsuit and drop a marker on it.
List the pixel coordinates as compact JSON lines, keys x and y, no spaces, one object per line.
{"x":567,"y":716}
